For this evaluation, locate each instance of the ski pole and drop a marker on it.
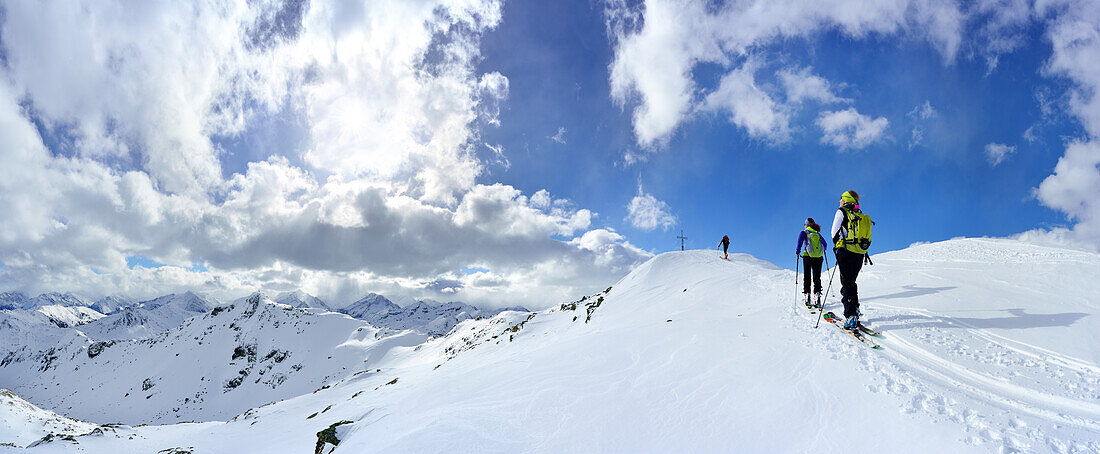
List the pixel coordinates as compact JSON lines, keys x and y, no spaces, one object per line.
{"x":796,"y":259}
{"x":821,"y":309}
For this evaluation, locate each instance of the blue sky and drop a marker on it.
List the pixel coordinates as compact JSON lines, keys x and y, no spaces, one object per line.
{"x":718,"y":181}
{"x":514,"y":152}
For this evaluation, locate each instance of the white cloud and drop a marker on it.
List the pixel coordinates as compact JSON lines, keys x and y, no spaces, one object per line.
{"x":1074,"y":189}
{"x":1003,"y":28}
{"x":154,"y":81}
{"x":657,"y":45}
{"x":997,"y":153}
{"x":1030,"y":134}
{"x":541,"y":199}
{"x":386,"y":88}
{"x":1073,"y":30}
{"x":922,"y":111}
{"x":498,"y":157}
{"x":802,"y":85}
{"x":647,"y":213}
{"x":559,"y":137}
{"x":916,"y":137}
{"x":849,"y":129}
{"x":381,"y":197}
{"x":748,"y":106}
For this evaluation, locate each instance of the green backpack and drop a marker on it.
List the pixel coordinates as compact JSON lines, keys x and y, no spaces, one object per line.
{"x":857,"y":231}
{"x":813,"y":248}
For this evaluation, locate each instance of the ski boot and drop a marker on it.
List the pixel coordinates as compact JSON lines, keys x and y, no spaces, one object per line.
{"x":817,"y":300}
{"x":808,"y":302}
{"x":852,"y":324}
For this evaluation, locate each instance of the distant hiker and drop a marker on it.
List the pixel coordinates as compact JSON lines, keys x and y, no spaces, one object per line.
{"x":725,"y":243}
{"x":811,"y":247}
{"x":851,"y":235}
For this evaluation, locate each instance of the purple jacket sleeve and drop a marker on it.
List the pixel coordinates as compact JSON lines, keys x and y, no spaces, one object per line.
{"x":801,"y":239}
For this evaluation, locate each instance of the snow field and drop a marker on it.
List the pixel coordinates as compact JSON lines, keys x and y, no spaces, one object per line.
{"x":988,"y":346}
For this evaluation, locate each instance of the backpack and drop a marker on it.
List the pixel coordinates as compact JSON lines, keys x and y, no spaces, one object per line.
{"x":856,"y":234}
{"x":814,"y":246}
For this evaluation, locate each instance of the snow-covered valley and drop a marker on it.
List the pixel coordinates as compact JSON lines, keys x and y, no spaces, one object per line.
{"x":988,"y":345}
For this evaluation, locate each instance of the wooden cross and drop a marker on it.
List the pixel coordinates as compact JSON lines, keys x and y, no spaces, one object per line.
{"x":682,"y":238}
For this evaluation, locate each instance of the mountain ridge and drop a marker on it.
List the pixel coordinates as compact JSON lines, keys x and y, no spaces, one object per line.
{"x":689,"y":352}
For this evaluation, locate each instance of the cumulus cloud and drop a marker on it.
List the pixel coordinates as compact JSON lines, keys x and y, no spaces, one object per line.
{"x":1073,"y":29}
{"x":154,"y":80}
{"x":658,"y":44}
{"x":647,"y":213}
{"x":748,"y":106}
{"x":1074,"y":188}
{"x":849,"y":129}
{"x":802,"y":85}
{"x":381,"y":196}
{"x":996,"y":153}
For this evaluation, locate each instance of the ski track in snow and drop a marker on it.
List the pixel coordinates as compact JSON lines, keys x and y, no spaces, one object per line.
{"x":923,"y":366}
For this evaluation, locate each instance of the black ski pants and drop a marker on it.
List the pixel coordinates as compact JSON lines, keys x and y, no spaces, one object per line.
{"x":850,"y":263}
{"x":811,"y":268}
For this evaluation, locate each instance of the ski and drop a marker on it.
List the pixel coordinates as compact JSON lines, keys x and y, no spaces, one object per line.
{"x":837,"y":322}
{"x":868,"y":331}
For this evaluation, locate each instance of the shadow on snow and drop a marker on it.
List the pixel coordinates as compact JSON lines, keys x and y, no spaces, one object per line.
{"x":1018,"y":319}
{"x":911,"y":291}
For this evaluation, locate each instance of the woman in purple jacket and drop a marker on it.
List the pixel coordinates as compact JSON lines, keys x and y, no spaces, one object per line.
{"x":811,"y":247}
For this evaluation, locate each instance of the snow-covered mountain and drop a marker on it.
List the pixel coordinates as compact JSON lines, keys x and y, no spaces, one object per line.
{"x":148,"y":318}
{"x":429,"y":317}
{"x":111,"y":304}
{"x":299,"y":298}
{"x":987,"y":346}
{"x":22,"y":423}
{"x":68,"y":316}
{"x":31,"y":331}
{"x":188,"y":302}
{"x":213,"y":366}
{"x":55,"y":299}
{"x":12,"y":300}
{"x":369,"y":306}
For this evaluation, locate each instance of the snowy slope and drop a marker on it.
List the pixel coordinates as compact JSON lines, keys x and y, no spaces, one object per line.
{"x":148,"y":318}
{"x":299,"y":298}
{"x":988,"y":345}
{"x":24,"y":332}
{"x":111,"y":304}
{"x":187,"y":301}
{"x":55,"y":299}
{"x":22,"y":423}
{"x":429,"y":317}
{"x":68,"y":316}
{"x":12,"y":300}
{"x":214,"y":366}
{"x":369,"y":306}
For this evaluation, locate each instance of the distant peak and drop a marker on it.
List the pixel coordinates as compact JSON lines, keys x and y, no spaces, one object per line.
{"x":299,"y":298}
